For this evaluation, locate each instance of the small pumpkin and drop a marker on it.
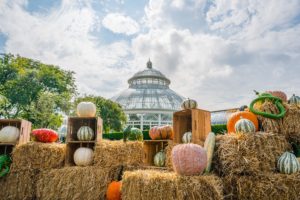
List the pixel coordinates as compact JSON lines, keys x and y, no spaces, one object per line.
{"x":187,"y":137}
{"x":209,"y":146}
{"x":83,"y":156}
{"x":294,"y":100}
{"x":189,"y":104}
{"x":136,"y":134}
{"x":85,"y":133}
{"x":288,"y":163}
{"x":45,"y":135}
{"x":161,"y":132}
{"x":244,"y":126}
{"x":114,"y":191}
{"x":278,"y":94}
{"x":9,"y":134}
{"x":160,"y":159}
{"x":234,"y":117}
{"x":86,"y":109}
{"x":189,"y":159}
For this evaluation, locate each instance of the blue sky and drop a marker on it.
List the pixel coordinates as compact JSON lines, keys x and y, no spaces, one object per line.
{"x":216,"y":52}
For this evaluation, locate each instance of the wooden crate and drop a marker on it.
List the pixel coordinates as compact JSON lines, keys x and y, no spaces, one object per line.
{"x":24,"y":127}
{"x":74,"y":123}
{"x":195,"y":120}
{"x":151,"y":147}
{"x":6,"y":148}
{"x":71,"y":148}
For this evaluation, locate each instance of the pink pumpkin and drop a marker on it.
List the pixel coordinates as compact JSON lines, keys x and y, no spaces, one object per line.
{"x":189,"y":159}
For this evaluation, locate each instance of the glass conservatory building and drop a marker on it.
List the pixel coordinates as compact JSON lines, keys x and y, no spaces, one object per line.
{"x":149,"y":101}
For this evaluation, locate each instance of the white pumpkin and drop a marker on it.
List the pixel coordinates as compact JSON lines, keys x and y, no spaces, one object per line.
{"x":189,"y":104}
{"x":187,"y":137}
{"x":83,"y":156}
{"x":9,"y":134}
{"x":86,"y":109}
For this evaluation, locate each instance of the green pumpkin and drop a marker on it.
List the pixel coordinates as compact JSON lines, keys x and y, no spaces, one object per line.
{"x":288,"y":163}
{"x":135,"y":134}
{"x":294,"y":100}
{"x":85,"y":133}
{"x":160,"y":159}
{"x":244,"y":126}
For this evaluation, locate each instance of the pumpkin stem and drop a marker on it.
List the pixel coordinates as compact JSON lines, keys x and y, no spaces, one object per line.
{"x":257,"y":93}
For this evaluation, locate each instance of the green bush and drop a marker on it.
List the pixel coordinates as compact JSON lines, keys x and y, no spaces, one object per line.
{"x":119,"y":136}
{"x":219,"y":128}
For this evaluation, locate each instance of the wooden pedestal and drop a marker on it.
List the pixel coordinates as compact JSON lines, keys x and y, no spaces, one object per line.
{"x":195,"y":120}
{"x":151,"y":147}
{"x":74,"y":123}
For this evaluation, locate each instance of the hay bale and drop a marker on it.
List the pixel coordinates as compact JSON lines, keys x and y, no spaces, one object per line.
{"x":291,"y":124}
{"x":115,"y":153}
{"x":208,"y":187}
{"x":148,"y":184}
{"x":263,"y":186}
{"x":18,"y":185}
{"x":248,"y":153}
{"x":169,"y":148}
{"x":267,"y":124}
{"x":37,"y":155}
{"x":74,"y":183}
{"x":151,"y":184}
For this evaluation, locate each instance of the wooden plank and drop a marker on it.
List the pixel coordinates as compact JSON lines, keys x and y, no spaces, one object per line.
{"x":99,"y":129}
{"x":157,"y":141}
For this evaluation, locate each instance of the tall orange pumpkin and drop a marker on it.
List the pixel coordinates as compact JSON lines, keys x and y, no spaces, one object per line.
{"x":114,"y":191}
{"x":237,"y":116}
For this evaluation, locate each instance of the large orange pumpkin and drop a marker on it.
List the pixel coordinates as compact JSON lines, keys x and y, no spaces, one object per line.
{"x":161,"y":132}
{"x":114,"y":191}
{"x":237,"y":116}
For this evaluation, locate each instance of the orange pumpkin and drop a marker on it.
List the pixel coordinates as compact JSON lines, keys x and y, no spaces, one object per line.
{"x":237,"y":116}
{"x":161,"y":132}
{"x":114,"y":191}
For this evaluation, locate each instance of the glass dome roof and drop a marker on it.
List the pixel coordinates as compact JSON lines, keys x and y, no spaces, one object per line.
{"x":149,"y":90}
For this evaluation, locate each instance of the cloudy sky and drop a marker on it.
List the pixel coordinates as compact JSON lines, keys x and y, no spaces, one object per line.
{"x":215,"y":51}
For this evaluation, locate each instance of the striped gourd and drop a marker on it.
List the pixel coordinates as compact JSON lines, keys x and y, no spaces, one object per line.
{"x":189,"y":104}
{"x":160,"y":159}
{"x":209,"y":146}
{"x":244,"y":126}
{"x":187,"y":137}
{"x":85,"y":133}
{"x":294,"y":100}
{"x":288,"y":163}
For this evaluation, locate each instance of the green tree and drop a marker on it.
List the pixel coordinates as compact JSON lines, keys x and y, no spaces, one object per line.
{"x":35,"y":91}
{"x":111,"y":113}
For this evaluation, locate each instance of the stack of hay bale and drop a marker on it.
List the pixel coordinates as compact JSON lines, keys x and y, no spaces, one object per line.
{"x":29,"y":160}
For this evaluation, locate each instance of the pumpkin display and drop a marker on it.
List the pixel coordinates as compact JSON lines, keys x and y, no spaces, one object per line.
{"x":86,"y":109}
{"x":189,"y":159}
{"x":244,"y":126}
{"x":278,"y":94}
{"x":189,"y":104}
{"x":161,"y":132}
{"x":209,"y":146}
{"x":234,"y":117}
{"x":288,"y":163}
{"x":187,"y":137}
{"x":9,"y":134}
{"x":83,"y":156}
{"x":160,"y":159}
{"x":294,"y":100}
{"x":45,"y":135}
{"x":136,"y":134}
{"x":85,"y":133}
{"x":114,"y":191}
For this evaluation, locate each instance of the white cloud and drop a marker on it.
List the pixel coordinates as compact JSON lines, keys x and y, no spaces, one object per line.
{"x":214,"y":51}
{"x":119,"y":23}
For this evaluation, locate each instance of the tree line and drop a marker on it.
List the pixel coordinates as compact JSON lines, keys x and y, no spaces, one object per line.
{"x":43,"y":93}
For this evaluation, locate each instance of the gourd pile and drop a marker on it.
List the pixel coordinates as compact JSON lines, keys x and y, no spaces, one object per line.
{"x":256,"y":159}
